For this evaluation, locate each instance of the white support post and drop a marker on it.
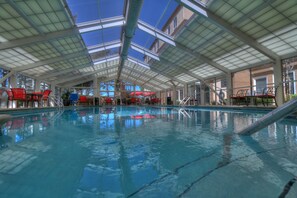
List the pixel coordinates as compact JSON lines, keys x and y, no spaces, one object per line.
{"x":95,"y":85}
{"x":278,"y":81}
{"x":159,"y":96}
{"x":215,"y":88}
{"x":37,"y":85}
{"x":166,"y":96}
{"x":229,"y":88}
{"x":173,"y":98}
{"x":53,"y":88}
{"x":13,"y":84}
{"x":13,"y":81}
{"x":96,"y":90}
{"x":185,"y":90}
{"x":202,"y":93}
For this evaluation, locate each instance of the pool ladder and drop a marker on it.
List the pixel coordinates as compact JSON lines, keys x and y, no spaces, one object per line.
{"x":184,"y":101}
{"x":56,"y":102}
{"x":184,"y":113}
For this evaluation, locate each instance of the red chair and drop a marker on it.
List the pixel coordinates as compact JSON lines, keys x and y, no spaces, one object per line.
{"x":39,"y":96}
{"x":155,"y":100}
{"x":19,"y":94}
{"x":83,"y":99}
{"x":34,"y":97}
{"x":45,"y":95}
{"x":108,"y":101}
{"x":135,"y":101}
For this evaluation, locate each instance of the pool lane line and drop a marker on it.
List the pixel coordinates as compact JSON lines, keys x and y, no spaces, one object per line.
{"x":175,"y":171}
{"x":287,"y":187}
{"x":223,"y":165}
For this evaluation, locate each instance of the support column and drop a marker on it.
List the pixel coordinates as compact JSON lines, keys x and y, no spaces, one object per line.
{"x":202,"y":93}
{"x":215,"y":94}
{"x":185,"y":90}
{"x":53,"y":88}
{"x":95,"y":87}
{"x":229,"y":87}
{"x":99,"y":87}
{"x":95,"y":90}
{"x":189,"y":86}
{"x":13,"y":84}
{"x":278,"y":81}
{"x":166,"y":95}
{"x":173,"y":97}
{"x":251,"y":82}
{"x":159,"y":96}
{"x":13,"y":81}
{"x":37,"y":86}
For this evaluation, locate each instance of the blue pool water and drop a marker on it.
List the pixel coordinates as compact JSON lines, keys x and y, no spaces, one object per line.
{"x":145,"y":152}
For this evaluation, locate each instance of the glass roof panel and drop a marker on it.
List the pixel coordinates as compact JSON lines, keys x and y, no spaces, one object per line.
{"x":271,"y":24}
{"x":88,"y":10}
{"x":38,"y":70}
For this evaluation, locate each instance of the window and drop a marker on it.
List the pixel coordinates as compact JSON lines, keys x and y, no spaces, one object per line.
{"x":129,"y":87}
{"x":157,"y":45}
{"x":110,"y":87}
{"x":181,"y":95}
{"x":175,"y":22}
{"x":2,"y":74}
{"x":25,"y":82}
{"x":224,"y":82}
{"x":260,"y":83}
{"x":292,"y":83}
{"x":137,"y":88}
{"x":44,"y":86}
{"x":107,"y":88}
{"x":168,"y":29}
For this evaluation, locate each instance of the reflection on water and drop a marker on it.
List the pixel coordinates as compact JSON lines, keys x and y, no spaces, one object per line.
{"x":146,"y":152}
{"x":22,"y":127}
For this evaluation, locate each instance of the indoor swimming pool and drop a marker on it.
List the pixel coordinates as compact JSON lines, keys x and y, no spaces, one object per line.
{"x":145,"y":152}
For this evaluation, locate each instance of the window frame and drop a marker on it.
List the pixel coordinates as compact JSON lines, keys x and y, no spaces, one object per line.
{"x":255,"y":82}
{"x":175,"y":22}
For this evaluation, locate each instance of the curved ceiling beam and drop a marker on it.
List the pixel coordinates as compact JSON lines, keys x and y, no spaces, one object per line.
{"x":155,"y":32}
{"x":104,"y":46}
{"x":99,"y":24}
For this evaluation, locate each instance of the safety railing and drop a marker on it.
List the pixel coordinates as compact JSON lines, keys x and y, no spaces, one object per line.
{"x":184,"y":101}
{"x":53,"y":101}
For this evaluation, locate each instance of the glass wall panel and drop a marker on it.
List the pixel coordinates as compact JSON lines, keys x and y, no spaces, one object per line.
{"x":3,"y":72}
{"x":25,"y":82}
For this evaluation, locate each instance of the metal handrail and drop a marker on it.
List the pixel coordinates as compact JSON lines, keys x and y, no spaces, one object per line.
{"x":57,"y":102}
{"x":184,"y":100}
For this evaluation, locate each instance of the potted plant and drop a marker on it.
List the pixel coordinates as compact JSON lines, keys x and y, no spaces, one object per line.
{"x":65,"y":98}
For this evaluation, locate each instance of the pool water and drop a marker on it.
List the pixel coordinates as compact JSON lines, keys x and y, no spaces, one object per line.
{"x":145,"y":152}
